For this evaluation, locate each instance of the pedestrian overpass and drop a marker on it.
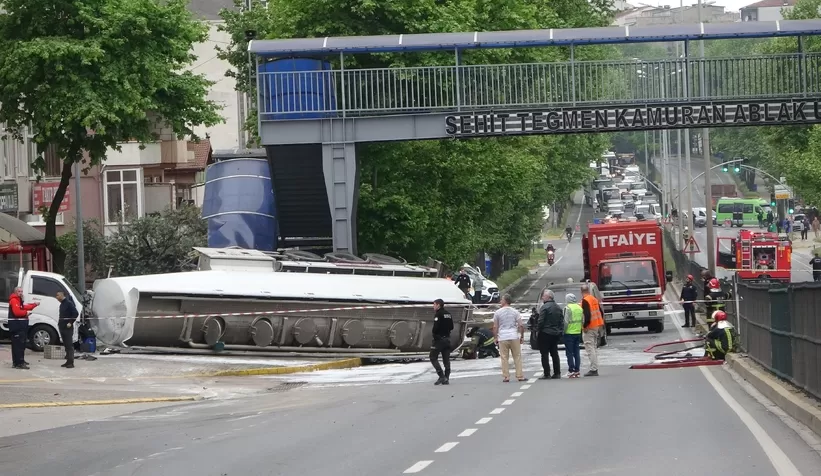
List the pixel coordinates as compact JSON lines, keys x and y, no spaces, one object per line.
{"x":313,"y":110}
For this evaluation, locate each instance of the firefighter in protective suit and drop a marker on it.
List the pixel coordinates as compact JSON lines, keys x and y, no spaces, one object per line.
{"x":715,"y":298}
{"x":722,"y":338}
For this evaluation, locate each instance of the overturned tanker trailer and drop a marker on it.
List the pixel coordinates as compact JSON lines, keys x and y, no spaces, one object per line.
{"x":245,"y":300}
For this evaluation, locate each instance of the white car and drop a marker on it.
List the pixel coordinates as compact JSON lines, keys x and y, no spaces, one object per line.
{"x":490,"y":291}
{"x":639,"y":194}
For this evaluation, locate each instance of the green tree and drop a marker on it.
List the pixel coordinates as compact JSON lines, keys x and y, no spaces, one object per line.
{"x":88,"y":74}
{"x":94,"y":250}
{"x":157,"y":243}
{"x":443,"y":199}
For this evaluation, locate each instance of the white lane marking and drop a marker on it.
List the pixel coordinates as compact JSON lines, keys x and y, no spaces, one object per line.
{"x":484,"y":420}
{"x":516,"y":394}
{"x":418,"y":467}
{"x":525,"y":387}
{"x":497,"y":411}
{"x":447,"y":447}
{"x":508,"y":402}
{"x":468,"y":432}
{"x":533,"y":380}
{"x":780,"y":461}
{"x":242,"y":418}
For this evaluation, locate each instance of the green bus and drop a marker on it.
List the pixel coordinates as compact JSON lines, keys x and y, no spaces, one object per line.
{"x":728,"y":210}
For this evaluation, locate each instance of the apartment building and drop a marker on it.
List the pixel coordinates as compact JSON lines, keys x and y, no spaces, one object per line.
{"x":766,"y":10}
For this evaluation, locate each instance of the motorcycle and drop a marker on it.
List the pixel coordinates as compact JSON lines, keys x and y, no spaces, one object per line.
{"x":569,"y":235}
{"x":550,"y":258}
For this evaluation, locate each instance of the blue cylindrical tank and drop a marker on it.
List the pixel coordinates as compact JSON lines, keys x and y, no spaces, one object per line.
{"x":296,"y":88}
{"x":239,"y":205}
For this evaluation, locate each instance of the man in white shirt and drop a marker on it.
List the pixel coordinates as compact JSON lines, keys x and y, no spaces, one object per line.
{"x":509,"y":333}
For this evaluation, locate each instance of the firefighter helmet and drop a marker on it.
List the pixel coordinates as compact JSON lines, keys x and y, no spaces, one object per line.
{"x":719,"y":316}
{"x":690,"y":277}
{"x":714,"y":284}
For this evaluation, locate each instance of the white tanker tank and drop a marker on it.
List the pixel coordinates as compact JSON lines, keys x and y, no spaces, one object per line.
{"x":239,"y":300}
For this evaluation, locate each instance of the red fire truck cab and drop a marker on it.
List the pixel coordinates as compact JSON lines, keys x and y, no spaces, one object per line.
{"x":756,"y":255}
{"x":626,"y":261}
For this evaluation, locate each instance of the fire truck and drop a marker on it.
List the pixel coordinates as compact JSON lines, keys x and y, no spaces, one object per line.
{"x":626,"y":261}
{"x":756,"y":256}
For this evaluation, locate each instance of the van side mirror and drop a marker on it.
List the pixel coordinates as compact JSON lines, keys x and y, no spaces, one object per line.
{"x":669,"y":276}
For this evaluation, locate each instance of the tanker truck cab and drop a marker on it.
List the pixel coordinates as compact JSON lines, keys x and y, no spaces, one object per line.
{"x":626,"y":261}
{"x":40,"y":287}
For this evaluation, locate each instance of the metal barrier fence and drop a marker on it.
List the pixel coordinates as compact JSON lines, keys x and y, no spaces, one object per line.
{"x":374,"y":91}
{"x":779,"y":325}
{"x":780,"y":330}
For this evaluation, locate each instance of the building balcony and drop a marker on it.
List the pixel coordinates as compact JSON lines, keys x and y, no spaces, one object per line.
{"x":133,"y":155}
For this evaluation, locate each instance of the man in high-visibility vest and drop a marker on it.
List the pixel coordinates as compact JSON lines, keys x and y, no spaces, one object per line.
{"x":573,"y":321}
{"x":593,"y":328}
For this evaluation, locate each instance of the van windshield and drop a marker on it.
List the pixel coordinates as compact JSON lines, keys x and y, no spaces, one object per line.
{"x":623,"y":275}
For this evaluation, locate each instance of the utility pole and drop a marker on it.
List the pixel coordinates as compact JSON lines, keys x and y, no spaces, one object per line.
{"x":78,"y":218}
{"x":705,"y":152}
{"x":678,"y":155}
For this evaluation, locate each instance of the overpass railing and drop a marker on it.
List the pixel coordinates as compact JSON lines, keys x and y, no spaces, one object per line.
{"x":405,"y":90}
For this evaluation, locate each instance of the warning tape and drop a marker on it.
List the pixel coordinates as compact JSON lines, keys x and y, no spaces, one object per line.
{"x":478,"y":308}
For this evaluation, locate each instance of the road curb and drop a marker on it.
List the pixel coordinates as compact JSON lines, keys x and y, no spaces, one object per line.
{"x":121,"y":401}
{"x":788,"y":399}
{"x":334,"y":365}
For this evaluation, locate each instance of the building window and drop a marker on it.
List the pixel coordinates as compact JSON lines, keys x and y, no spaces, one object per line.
{"x":123,"y":196}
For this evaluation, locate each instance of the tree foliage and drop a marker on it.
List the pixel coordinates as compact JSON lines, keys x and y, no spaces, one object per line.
{"x":157,"y":243}
{"x":87,"y":74}
{"x":94,"y":251}
{"x":443,"y":199}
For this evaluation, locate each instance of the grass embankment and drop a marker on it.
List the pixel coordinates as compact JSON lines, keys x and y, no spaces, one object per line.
{"x":669,"y":262}
{"x":525,"y":265}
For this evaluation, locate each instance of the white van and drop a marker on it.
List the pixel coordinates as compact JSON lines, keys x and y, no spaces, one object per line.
{"x":41,"y":287}
{"x":655,"y":211}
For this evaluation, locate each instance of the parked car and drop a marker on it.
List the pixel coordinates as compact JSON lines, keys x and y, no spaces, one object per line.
{"x":798,"y":222}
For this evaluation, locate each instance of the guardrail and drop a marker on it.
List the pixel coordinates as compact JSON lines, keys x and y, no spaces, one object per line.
{"x":406,"y":90}
{"x":780,"y":330}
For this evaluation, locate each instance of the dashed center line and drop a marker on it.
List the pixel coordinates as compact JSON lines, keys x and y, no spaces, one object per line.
{"x":524,"y":387}
{"x":468,"y":432}
{"x":447,"y":447}
{"x":508,"y":402}
{"x":517,"y":394}
{"x":418,"y":467}
{"x":484,"y":420}
{"x":497,"y":411}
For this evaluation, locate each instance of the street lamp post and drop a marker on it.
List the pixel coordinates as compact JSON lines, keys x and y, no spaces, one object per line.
{"x":705,"y":152}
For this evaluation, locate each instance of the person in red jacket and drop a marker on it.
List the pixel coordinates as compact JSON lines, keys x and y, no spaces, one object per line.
{"x":18,"y":327}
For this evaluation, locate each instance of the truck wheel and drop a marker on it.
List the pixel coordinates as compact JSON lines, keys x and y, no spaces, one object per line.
{"x":657,"y":327}
{"x":42,"y":335}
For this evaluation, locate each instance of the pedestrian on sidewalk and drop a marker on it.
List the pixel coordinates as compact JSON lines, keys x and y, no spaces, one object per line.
{"x":805,"y":227}
{"x":67,"y":318}
{"x":509,"y":333}
{"x":442,"y":326}
{"x":18,"y":327}
{"x":689,"y":296}
{"x":573,"y":322}
{"x":593,"y":328}
{"x":816,"y":227}
{"x":551,"y":324}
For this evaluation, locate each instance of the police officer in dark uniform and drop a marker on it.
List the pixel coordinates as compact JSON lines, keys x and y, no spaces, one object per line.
{"x":463,"y":283}
{"x":442,"y":326}
{"x":689,"y":295}
{"x":815,"y":262}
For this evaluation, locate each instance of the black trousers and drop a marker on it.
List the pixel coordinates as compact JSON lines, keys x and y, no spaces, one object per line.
{"x":67,"y":336}
{"x":549,"y":348}
{"x":477,"y":297}
{"x":689,"y":314}
{"x":441,"y":346}
{"x":804,"y":233}
{"x":18,"y":347}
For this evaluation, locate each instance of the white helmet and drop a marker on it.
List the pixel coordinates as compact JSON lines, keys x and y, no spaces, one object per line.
{"x":569,"y":280}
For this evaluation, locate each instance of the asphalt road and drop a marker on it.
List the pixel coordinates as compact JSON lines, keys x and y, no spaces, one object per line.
{"x":801,"y":271}
{"x":624,"y":422}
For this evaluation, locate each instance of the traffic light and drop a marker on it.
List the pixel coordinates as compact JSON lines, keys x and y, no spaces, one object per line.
{"x":736,"y":169}
{"x":724,"y":168}
{"x":791,"y":206}
{"x":772,"y":199}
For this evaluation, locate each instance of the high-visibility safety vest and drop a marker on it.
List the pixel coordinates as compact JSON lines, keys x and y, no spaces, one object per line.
{"x":596,"y":319}
{"x":574,"y":327}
